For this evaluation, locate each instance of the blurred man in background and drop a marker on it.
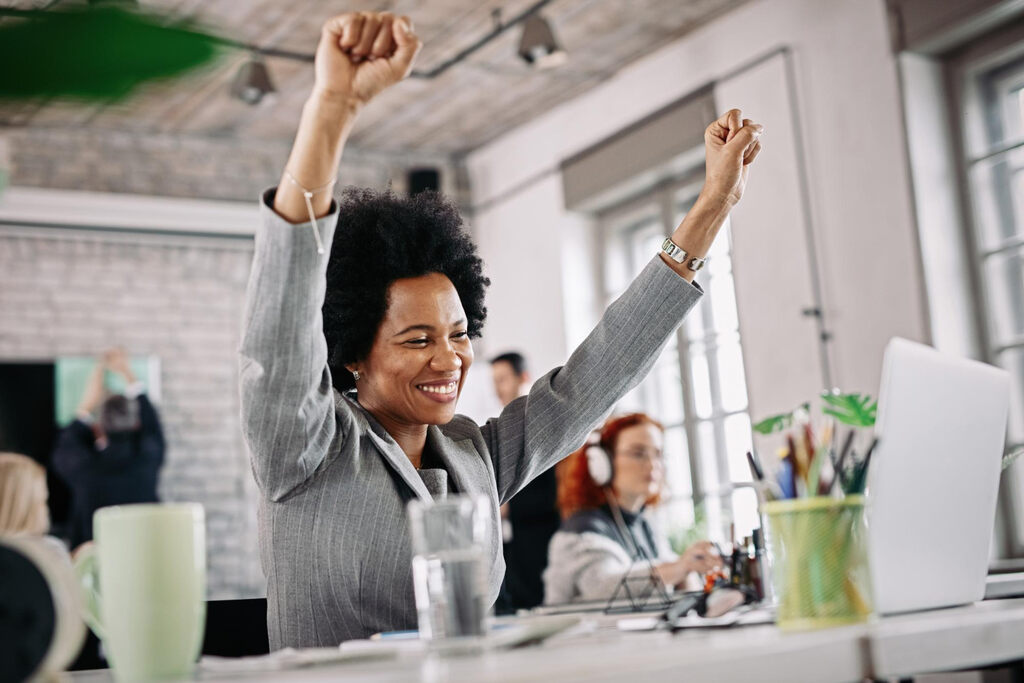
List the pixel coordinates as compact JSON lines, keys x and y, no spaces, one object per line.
{"x":112,"y":452}
{"x":531,"y":518}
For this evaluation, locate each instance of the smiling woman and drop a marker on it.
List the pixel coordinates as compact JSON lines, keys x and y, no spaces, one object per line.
{"x":405,"y":293}
{"x":351,"y":366}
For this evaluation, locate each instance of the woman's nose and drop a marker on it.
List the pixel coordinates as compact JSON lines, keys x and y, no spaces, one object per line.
{"x":446,"y":358}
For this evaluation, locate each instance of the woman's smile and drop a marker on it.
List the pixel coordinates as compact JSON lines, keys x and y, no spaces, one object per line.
{"x":442,"y":391}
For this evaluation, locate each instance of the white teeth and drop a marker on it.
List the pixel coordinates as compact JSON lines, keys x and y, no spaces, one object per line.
{"x":437,"y":389}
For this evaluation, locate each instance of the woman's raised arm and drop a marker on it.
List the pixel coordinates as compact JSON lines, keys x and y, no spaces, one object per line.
{"x":289,"y":413}
{"x":536,"y":431}
{"x":730,"y":145}
{"x":359,"y":55}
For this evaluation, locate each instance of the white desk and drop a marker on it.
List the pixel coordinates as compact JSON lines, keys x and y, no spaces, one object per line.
{"x":985,"y":633}
{"x":976,"y":635}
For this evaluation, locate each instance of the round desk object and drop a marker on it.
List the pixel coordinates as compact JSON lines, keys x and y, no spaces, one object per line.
{"x":41,"y":628}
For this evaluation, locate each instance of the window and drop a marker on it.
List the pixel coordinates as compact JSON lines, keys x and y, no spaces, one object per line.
{"x":697,"y":387}
{"x":991,"y":111}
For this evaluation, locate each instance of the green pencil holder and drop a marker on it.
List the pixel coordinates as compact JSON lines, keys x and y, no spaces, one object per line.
{"x":820,"y":567}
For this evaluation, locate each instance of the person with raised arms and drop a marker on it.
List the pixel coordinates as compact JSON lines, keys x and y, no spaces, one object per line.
{"x":353,"y":359}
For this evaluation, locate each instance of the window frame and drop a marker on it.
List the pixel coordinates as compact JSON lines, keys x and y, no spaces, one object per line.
{"x":618,"y":225}
{"x":962,"y":70}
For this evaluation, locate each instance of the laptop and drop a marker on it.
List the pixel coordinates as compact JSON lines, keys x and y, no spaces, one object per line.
{"x":934,"y":477}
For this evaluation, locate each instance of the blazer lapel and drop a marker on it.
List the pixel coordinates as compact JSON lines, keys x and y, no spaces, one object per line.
{"x":466,"y":470}
{"x":399,"y":462}
{"x":393,"y":454}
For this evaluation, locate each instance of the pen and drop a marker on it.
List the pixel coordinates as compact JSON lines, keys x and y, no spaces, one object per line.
{"x":755,"y":466}
{"x":809,"y":440}
{"x":841,"y":461}
{"x":787,"y":477}
{"x":800,"y":460}
{"x":860,"y":478}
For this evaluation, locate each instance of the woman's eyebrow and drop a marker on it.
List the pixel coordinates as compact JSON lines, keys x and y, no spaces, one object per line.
{"x":426,"y":328}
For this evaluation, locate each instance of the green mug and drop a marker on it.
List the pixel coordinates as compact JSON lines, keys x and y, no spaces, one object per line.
{"x":144,"y":584}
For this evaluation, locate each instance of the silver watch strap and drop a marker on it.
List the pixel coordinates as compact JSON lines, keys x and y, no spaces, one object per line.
{"x":680,"y":255}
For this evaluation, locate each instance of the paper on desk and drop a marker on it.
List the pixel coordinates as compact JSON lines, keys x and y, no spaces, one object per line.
{"x":749,"y":617}
{"x":503,"y":633}
{"x":735,"y":618}
{"x":291,"y":658}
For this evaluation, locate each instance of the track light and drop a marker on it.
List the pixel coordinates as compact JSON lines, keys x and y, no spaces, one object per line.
{"x":538,"y":46}
{"x":252,"y":82}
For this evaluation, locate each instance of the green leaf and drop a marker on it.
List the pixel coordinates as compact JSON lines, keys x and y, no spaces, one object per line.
{"x":775,"y":423}
{"x":95,"y":53}
{"x":856,"y":410}
{"x":780,"y":422}
{"x":1010,"y":457}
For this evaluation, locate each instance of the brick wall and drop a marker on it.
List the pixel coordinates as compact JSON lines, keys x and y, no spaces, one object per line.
{"x":65,"y":293}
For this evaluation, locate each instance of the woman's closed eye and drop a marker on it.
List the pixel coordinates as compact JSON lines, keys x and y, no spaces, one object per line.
{"x":421,"y":342}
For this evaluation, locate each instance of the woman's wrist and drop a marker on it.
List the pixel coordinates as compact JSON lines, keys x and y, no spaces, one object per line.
{"x":672,"y":573}
{"x":723,"y":200}
{"x":702,"y":223}
{"x":333,"y":104}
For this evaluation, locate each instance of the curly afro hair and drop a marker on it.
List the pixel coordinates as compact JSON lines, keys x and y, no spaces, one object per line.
{"x":380,"y":238}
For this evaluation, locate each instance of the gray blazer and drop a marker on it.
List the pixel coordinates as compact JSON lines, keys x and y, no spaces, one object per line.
{"x":334,"y":541}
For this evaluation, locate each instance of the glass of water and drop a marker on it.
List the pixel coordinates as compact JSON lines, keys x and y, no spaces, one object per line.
{"x":448,"y":569}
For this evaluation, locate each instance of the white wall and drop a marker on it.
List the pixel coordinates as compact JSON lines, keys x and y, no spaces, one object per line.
{"x":860,"y":198}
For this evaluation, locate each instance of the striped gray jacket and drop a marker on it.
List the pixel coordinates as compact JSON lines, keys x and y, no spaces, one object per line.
{"x":334,"y":540}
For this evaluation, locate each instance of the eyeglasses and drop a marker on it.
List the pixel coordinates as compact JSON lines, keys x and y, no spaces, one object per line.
{"x":652,"y":454}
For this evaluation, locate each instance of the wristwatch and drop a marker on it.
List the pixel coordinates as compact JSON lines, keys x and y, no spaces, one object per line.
{"x":679,"y":255}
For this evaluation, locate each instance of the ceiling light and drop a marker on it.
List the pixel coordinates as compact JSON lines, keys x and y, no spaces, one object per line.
{"x":252,"y":82}
{"x":538,"y":46}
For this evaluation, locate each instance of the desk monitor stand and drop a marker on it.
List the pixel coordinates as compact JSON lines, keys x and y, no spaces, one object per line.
{"x":645,"y":593}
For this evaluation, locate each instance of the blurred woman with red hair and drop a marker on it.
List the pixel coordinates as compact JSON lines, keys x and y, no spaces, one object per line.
{"x":590,"y":554}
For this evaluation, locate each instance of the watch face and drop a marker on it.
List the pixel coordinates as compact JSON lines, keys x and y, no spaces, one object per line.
{"x":673,"y":251}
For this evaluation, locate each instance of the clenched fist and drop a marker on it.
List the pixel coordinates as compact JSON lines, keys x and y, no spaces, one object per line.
{"x":362,"y":53}
{"x":731,"y":144}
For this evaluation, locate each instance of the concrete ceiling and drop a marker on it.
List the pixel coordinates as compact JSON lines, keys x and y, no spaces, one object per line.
{"x":482,"y":97}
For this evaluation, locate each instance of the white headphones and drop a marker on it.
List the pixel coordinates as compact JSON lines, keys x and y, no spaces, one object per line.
{"x":599,"y":461}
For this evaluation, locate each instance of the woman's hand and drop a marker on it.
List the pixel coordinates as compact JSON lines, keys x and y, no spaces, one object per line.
{"x":359,"y":55}
{"x":701,"y":557}
{"x":362,"y":53}
{"x":117,"y":361}
{"x":731,"y":144}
